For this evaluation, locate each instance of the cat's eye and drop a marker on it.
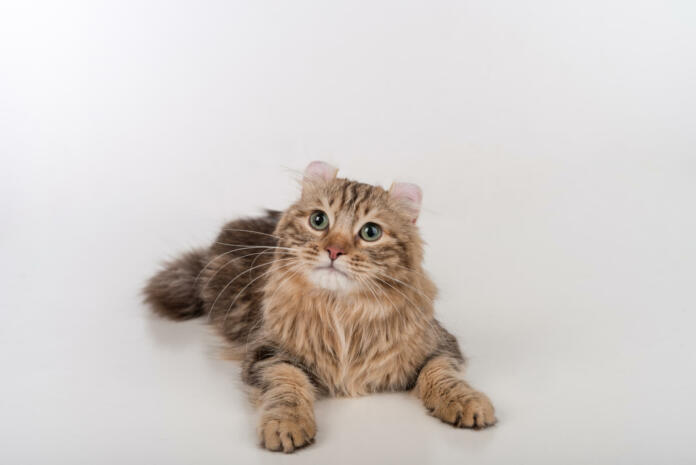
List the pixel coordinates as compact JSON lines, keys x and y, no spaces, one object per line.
{"x":319,"y":220}
{"x":370,"y":232}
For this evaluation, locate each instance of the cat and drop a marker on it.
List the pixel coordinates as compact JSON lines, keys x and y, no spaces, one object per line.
{"x":327,"y":298}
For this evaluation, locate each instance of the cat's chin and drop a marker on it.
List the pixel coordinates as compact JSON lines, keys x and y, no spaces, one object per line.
{"x":331,"y":279}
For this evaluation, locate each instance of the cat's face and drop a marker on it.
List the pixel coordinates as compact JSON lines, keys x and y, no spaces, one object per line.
{"x":348,"y":236}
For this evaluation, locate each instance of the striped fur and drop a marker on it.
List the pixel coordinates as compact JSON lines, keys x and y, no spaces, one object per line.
{"x":299,"y":340}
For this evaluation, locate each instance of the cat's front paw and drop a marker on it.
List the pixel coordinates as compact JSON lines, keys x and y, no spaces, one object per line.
{"x":287,"y":430}
{"x":470,"y":409}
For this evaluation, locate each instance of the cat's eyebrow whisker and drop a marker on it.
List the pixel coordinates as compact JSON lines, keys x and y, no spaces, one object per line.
{"x":229,"y":309}
{"x":212,"y":307}
{"x":250,"y":231}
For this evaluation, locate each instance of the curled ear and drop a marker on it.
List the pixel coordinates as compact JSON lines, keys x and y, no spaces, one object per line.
{"x":319,"y":171}
{"x":409,"y":195}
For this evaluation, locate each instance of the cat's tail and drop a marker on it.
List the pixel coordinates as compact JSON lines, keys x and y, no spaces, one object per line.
{"x":174,"y":292}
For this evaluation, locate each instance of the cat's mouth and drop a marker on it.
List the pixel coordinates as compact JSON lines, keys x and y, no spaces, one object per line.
{"x":332,"y":278}
{"x":331,"y":269}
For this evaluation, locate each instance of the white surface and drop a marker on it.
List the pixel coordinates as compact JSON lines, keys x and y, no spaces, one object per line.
{"x":555,"y":145}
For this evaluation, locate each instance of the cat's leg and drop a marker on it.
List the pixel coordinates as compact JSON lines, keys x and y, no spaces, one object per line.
{"x":286,"y":399}
{"x":287,"y":408}
{"x":451,"y":399}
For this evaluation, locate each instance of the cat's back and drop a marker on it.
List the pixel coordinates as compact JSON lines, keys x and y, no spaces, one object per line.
{"x":250,"y":232}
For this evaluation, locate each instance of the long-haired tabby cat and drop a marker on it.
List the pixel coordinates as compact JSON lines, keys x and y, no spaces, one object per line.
{"x":326,"y":298}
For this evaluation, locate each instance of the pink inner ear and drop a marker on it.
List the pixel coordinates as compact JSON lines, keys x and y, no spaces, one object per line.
{"x":321,"y":171}
{"x":410,"y":194}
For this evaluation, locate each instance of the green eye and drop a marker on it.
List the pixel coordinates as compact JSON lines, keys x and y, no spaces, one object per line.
{"x":318,"y":220}
{"x":370,"y":232}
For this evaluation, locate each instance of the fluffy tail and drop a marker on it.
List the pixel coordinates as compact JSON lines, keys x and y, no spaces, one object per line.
{"x":174,"y":291}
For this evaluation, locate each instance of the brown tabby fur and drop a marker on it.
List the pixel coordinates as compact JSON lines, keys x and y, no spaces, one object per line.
{"x":301,"y":341}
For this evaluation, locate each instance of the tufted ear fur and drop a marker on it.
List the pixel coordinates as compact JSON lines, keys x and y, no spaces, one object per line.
{"x":409,"y":195}
{"x":320,"y":171}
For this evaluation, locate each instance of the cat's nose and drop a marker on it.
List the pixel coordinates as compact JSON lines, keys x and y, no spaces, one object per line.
{"x":335,"y":252}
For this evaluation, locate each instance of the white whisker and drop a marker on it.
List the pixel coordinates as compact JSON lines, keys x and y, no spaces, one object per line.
{"x":259,"y":320}
{"x":222,"y":255}
{"x":388,"y":298}
{"x":369,"y":288}
{"x":406,"y":284}
{"x":212,"y":307}
{"x":413,"y":270}
{"x":429,"y":321}
{"x":258,"y":254}
{"x":229,"y":309}
{"x":250,"y":231}
{"x":402,"y":294}
{"x":253,"y":246}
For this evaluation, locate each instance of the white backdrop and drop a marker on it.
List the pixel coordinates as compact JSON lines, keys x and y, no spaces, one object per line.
{"x":555,"y":145}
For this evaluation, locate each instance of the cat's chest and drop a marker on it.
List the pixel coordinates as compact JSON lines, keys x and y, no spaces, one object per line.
{"x":351,"y":357}
{"x":355,"y":362}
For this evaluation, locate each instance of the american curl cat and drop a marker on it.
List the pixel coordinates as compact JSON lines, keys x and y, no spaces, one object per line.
{"x":326,"y":298}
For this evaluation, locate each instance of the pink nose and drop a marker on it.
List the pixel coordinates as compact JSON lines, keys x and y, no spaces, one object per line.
{"x":334,"y":252}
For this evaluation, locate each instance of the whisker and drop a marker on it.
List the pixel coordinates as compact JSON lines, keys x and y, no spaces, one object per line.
{"x":250,"y":231}
{"x":406,"y":284}
{"x":212,"y":307}
{"x":367,"y":285}
{"x":409,"y":269}
{"x":388,"y":298}
{"x":428,"y":321}
{"x":221,"y":255}
{"x":257,"y":257}
{"x":229,"y":309}
{"x":259,"y":321}
{"x":402,"y":294}
{"x":284,"y":280}
{"x":288,"y":274}
{"x":258,"y":254}
{"x":252,"y":246}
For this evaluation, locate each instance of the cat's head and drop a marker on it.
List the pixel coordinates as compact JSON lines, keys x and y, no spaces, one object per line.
{"x":348,"y":236}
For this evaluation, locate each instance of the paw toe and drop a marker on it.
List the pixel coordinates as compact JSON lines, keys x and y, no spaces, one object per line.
{"x":470,"y":411}
{"x":270,"y":437}
{"x":286,"y":435}
{"x":478,"y":413}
